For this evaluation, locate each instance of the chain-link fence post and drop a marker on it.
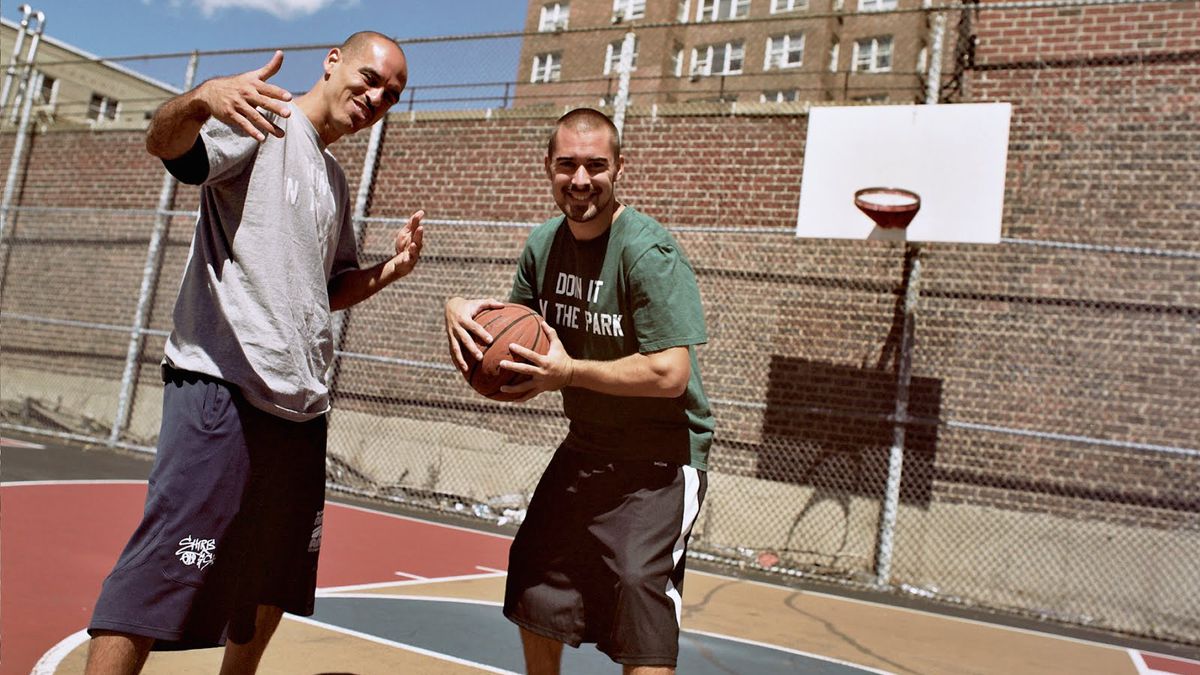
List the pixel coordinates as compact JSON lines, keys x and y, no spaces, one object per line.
{"x":937,"y":39}
{"x":623,"y":69}
{"x":150,"y":274}
{"x":370,"y":161}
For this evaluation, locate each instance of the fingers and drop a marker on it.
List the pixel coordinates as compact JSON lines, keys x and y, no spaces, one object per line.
{"x":253,"y":122}
{"x":272,"y":67}
{"x":490,"y":303}
{"x":479,"y":332}
{"x":520,"y":368}
{"x":415,"y":219}
{"x":526,"y":390}
{"x":527,"y":354}
{"x":272,"y":98}
{"x":456,"y":354}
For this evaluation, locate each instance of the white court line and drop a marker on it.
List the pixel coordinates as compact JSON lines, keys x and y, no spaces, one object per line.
{"x":48,"y":664}
{"x":338,"y":589}
{"x":719,"y":636}
{"x":417,"y":577}
{"x":398,"y":645}
{"x":395,"y":584}
{"x":431,"y":598}
{"x":1139,"y":662}
{"x":420,"y":520}
{"x":491,"y":570}
{"x":1143,"y":668}
{"x":14,"y":443}
{"x":43,"y":483}
{"x":910,"y":610}
{"x":789,"y":650}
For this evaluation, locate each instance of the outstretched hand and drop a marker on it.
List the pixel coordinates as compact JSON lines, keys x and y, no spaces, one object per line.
{"x":235,"y":100}
{"x":409,"y":240}
{"x":549,"y":372}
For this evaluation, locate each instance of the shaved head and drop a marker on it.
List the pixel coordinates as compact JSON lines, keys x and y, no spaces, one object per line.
{"x":357,"y":42}
{"x":586,"y":119}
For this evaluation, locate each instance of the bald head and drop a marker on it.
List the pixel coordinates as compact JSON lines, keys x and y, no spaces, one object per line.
{"x":586,"y":119}
{"x":354,"y":45}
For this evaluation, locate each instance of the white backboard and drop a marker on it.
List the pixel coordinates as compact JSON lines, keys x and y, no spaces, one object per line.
{"x":952,"y":155}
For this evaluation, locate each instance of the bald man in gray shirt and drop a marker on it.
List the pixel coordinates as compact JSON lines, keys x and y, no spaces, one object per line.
{"x":233,"y":520}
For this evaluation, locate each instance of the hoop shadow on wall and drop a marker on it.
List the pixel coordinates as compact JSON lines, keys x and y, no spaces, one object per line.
{"x":826,"y":426}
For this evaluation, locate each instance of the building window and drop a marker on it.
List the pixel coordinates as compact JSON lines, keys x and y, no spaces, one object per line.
{"x":833,"y":57}
{"x":723,"y":59}
{"x":876,"y":5}
{"x":49,"y":90}
{"x":612,"y":57}
{"x":784,"y":51}
{"x":681,"y":14}
{"x":780,"y":96}
{"x":628,"y":10}
{"x":718,"y":10}
{"x":873,"y":55}
{"x":546,"y":67}
{"x":95,"y":107}
{"x":102,"y":107}
{"x":554,"y":16}
{"x":781,"y":6}
{"x":871,"y":98}
{"x":677,"y":60}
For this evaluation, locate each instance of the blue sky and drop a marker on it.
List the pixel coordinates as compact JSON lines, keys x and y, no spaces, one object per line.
{"x":115,"y":28}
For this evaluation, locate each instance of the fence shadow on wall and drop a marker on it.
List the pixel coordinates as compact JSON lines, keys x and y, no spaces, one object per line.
{"x":827,"y":426}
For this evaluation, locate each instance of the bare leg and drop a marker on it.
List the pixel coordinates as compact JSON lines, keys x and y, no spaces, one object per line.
{"x":543,"y":655}
{"x":243,"y":659}
{"x":117,"y":654}
{"x":648,"y":670}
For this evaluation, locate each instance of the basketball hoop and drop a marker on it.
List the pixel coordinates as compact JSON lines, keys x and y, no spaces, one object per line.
{"x":890,"y":208}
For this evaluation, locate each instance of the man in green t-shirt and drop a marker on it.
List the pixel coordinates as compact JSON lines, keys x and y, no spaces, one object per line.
{"x":600,"y":555}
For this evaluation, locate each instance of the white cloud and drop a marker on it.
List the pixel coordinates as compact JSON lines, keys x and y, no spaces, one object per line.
{"x":284,"y":9}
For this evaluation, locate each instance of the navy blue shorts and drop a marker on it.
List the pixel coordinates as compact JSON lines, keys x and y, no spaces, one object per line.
{"x":232,"y":520}
{"x":600,"y":555}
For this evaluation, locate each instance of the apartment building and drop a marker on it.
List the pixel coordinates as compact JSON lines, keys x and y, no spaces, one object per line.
{"x":724,"y":50}
{"x":77,"y":89}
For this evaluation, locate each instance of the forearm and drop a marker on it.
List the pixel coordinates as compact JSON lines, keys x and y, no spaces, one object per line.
{"x":176,"y":124}
{"x":353,"y":286}
{"x":662,"y":374}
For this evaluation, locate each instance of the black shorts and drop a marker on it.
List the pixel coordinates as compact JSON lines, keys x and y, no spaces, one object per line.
{"x":600,"y":556}
{"x":232,"y":520}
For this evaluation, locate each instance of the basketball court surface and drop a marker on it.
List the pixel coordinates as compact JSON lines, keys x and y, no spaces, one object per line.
{"x":411,"y":593}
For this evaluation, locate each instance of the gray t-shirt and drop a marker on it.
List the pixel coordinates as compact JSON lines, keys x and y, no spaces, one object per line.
{"x":274,"y":228}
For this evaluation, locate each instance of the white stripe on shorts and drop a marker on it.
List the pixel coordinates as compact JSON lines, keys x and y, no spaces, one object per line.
{"x":691,"y":508}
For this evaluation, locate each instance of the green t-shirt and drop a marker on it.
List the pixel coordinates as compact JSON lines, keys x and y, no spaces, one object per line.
{"x":628,"y":291}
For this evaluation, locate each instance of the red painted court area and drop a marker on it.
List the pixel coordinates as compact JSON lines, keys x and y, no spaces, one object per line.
{"x":61,"y":539}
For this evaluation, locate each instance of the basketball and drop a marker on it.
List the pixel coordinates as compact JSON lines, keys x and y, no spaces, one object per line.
{"x":510,"y":324}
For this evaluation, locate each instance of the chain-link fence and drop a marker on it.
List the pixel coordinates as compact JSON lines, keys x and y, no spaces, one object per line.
{"x":1050,"y":449}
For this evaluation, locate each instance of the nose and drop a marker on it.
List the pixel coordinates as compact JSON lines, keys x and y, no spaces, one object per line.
{"x":581,"y":178}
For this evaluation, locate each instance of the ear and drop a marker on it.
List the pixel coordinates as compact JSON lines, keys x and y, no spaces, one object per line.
{"x":549,"y":169}
{"x":333,"y":58}
{"x":620,"y":168}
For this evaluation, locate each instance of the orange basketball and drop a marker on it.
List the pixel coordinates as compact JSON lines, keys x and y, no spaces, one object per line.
{"x":510,"y":324}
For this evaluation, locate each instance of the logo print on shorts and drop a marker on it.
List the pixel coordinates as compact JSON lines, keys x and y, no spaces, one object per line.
{"x":198,"y":552}
{"x":314,"y":544}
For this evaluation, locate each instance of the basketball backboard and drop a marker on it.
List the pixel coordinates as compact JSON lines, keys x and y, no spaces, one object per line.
{"x":952,"y":157}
